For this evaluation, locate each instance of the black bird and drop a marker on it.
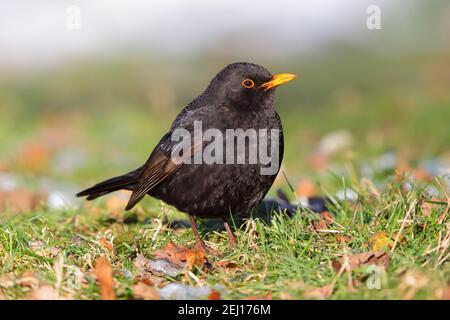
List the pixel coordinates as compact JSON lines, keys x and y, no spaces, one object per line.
{"x":241,"y":96}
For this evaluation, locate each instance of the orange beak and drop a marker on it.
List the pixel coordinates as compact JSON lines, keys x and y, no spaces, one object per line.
{"x":277,"y":80}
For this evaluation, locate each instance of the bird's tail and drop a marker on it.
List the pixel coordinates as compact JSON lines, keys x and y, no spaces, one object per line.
{"x":126,"y":182}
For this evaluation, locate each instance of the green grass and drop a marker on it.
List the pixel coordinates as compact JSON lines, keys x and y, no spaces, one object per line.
{"x":284,"y":258}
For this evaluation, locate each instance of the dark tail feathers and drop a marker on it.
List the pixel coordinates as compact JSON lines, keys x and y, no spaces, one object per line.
{"x":127,"y":182}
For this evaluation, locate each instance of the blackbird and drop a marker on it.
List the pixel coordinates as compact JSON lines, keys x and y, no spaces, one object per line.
{"x":241,"y":96}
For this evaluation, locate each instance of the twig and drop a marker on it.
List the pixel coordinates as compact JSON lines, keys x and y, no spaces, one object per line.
{"x":410,"y":210}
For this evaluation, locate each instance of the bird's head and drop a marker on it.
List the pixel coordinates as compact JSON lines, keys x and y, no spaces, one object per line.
{"x":246,"y":85}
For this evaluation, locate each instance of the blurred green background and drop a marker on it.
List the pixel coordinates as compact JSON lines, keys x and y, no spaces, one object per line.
{"x":80,"y":105}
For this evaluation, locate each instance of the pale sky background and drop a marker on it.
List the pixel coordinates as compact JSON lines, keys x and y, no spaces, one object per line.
{"x":34,"y":32}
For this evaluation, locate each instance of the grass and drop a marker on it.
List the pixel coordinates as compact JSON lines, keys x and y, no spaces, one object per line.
{"x":285,"y":258}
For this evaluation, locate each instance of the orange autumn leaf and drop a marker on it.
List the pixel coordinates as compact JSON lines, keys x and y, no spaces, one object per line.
{"x":195,"y":258}
{"x":214,"y":295}
{"x":105,"y":243}
{"x":104,"y":275}
{"x":182,"y":256}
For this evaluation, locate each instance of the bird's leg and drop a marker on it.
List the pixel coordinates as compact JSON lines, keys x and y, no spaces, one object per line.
{"x":199,"y":244}
{"x":231,"y":236}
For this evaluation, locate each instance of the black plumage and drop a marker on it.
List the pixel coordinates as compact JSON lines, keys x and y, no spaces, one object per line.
{"x":240,"y":96}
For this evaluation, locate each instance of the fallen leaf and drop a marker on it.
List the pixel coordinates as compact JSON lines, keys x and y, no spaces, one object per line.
{"x":214,"y":295}
{"x":104,"y":273}
{"x":195,"y":258}
{"x":327,"y":216}
{"x":319,"y":292}
{"x":144,"y":291}
{"x":182,"y":256}
{"x":379,"y":258}
{"x":105,"y":243}
{"x":151,"y":280}
{"x":380,"y":241}
{"x":320,"y":225}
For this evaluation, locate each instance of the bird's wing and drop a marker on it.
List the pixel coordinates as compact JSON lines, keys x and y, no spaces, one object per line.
{"x":160,"y":165}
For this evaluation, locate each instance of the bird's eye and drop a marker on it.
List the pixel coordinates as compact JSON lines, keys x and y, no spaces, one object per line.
{"x":248,"y":83}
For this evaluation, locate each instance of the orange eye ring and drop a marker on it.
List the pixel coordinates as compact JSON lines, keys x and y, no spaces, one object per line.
{"x":248,"y":83}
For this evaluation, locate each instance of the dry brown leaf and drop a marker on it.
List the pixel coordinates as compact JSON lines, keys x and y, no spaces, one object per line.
{"x":320,"y":225}
{"x":151,"y":280}
{"x":319,"y":292}
{"x":379,"y":258}
{"x":105,"y":243}
{"x":144,"y":291}
{"x":104,"y":275}
{"x":181,"y":256}
{"x":214,"y":295}
{"x":323,"y":223}
{"x":195,"y":258}
{"x":327,"y":216}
